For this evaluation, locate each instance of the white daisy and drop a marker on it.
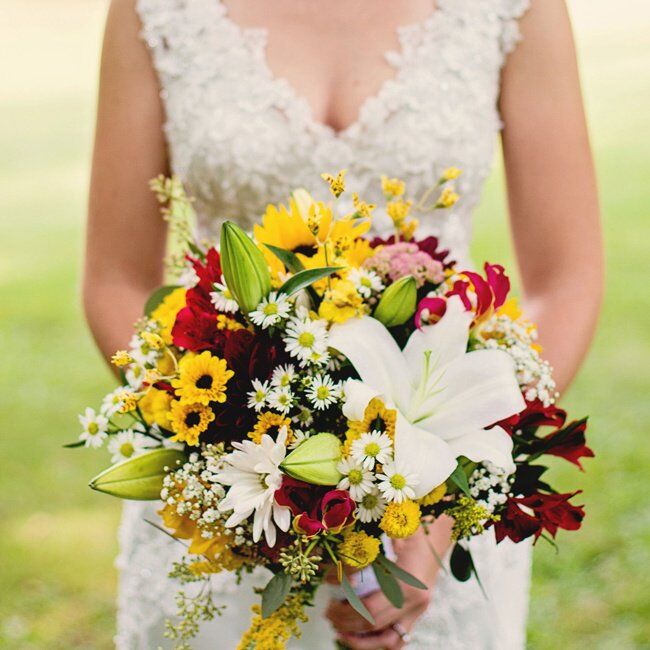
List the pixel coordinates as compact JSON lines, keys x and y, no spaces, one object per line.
{"x":272,"y":310}
{"x":222,"y":299}
{"x":322,"y":391}
{"x":357,"y":480}
{"x":283,"y":376}
{"x":127,"y":444}
{"x":306,"y":340}
{"x":280,"y":399}
{"x":372,"y":447}
{"x":365,"y":281}
{"x":134,"y":376}
{"x":299,"y":436}
{"x":397,"y":483}
{"x":253,"y":473}
{"x":258,"y":396}
{"x":141,"y":352}
{"x":304,"y":417}
{"x":95,"y":426}
{"x":371,"y":507}
{"x":112,"y":402}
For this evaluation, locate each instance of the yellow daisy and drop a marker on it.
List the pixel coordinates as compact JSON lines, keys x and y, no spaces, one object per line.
{"x":376,"y":417}
{"x":189,"y":421}
{"x":270,"y":423}
{"x":202,"y":379}
{"x":154,"y":406}
{"x":401,"y":519}
{"x":167,"y":311}
{"x":341,"y":302}
{"x":358,"y":549}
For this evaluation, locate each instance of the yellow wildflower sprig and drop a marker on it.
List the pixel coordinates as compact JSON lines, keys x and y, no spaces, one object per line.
{"x":447,"y":197}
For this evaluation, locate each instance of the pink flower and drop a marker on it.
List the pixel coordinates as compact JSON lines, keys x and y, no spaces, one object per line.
{"x":482,"y":295}
{"x":396,"y":261}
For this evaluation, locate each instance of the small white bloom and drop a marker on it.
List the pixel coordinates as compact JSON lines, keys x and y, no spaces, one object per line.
{"x":134,"y":376}
{"x":188,"y":277}
{"x":306,"y":340}
{"x":357,"y":480}
{"x":94,"y":428}
{"x":127,"y":444}
{"x":141,"y":352}
{"x":304,"y":417}
{"x":272,"y":310}
{"x":371,"y":507}
{"x":397,"y":483}
{"x":299,"y":436}
{"x":112,"y":402}
{"x":222,"y":299}
{"x":322,"y":391}
{"x":365,"y":281}
{"x":372,"y":447}
{"x":283,"y":376}
{"x":280,"y":399}
{"x":258,"y":396}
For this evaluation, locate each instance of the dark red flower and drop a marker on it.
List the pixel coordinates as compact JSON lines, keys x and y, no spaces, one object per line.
{"x":315,"y":508}
{"x":538,"y":415}
{"x":482,"y":295}
{"x":568,"y":443}
{"x":550,"y":512}
{"x":435,"y":308}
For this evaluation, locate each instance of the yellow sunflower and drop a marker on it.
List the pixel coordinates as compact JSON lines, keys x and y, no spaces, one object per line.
{"x":155,"y":405}
{"x":376,"y":417}
{"x":270,"y":423}
{"x":202,"y":379}
{"x":189,"y":421}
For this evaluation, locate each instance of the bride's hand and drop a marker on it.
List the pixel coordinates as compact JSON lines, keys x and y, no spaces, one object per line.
{"x":414,"y":555}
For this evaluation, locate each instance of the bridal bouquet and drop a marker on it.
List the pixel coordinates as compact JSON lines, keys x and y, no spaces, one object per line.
{"x":303,"y":396}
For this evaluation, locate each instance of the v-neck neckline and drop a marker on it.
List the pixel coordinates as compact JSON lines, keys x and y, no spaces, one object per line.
{"x":256,"y":38}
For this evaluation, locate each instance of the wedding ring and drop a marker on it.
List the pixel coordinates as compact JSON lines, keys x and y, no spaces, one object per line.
{"x":400,"y":630}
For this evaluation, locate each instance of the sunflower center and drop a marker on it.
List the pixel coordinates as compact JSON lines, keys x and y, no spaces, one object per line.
{"x":355,"y":476}
{"x":306,"y":339}
{"x":93,"y":428}
{"x":192,"y":419}
{"x":372,"y":449}
{"x":127,"y":449}
{"x":204,"y":382}
{"x":398,"y":481}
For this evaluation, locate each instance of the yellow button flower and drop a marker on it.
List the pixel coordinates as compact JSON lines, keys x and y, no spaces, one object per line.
{"x":358,"y":549}
{"x":401,"y":519}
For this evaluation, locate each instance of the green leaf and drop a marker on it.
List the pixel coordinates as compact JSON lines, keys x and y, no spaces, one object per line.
{"x":399,"y":573}
{"x":74,"y":445}
{"x":355,"y":601}
{"x":139,"y":478}
{"x":389,"y":585}
{"x":275,"y":593}
{"x":461,"y":563}
{"x":306,"y":278}
{"x":288,"y":258}
{"x":459,"y":479}
{"x":157,"y":297}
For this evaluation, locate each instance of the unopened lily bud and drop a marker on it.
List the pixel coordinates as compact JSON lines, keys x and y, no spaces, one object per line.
{"x":315,"y":460}
{"x":398,"y":303}
{"x":246,"y":272}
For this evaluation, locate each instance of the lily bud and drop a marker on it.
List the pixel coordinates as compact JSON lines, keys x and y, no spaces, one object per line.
{"x":139,"y":478}
{"x":315,"y":460}
{"x":303,"y":201}
{"x":398,"y":303}
{"x":244,"y":268}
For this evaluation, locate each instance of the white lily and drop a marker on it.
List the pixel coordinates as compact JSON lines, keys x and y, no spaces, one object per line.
{"x":444,"y":395}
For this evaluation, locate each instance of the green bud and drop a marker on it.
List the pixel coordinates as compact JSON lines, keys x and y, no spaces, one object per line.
{"x":244,"y":267}
{"x":315,"y":460}
{"x":139,"y":478}
{"x":398,"y":303}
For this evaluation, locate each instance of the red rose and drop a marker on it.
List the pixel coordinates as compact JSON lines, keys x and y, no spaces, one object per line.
{"x":338,"y":510}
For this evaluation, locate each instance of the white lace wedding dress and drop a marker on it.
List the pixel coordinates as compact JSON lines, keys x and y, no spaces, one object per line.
{"x":240,"y":137}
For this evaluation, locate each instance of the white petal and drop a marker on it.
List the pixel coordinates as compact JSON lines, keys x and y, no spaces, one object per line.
{"x":477,"y":390}
{"x":357,"y":397}
{"x":282,"y":516}
{"x":423,"y":454}
{"x":374,"y":354}
{"x":446,"y":340}
{"x":494,"y":445}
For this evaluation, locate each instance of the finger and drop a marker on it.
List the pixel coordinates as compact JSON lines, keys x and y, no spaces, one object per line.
{"x":382,"y":640}
{"x":346,"y":619}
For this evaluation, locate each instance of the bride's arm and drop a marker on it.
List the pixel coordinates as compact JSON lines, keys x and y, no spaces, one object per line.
{"x":552,"y":193}
{"x":556,"y":231}
{"x":125,"y":236}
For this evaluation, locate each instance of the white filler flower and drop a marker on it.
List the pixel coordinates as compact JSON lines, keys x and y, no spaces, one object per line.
{"x":94,"y":428}
{"x":253,"y":473}
{"x":444,"y":395}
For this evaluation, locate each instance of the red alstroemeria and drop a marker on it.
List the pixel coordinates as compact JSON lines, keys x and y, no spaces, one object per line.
{"x":541,"y":512}
{"x":538,"y":415}
{"x":482,"y":295}
{"x":568,"y":443}
{"x":316,"y":509}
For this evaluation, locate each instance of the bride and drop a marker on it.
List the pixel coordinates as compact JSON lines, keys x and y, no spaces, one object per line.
{"x":246,"y":99}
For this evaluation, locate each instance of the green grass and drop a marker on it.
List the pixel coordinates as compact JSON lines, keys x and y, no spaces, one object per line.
{"x":57,"y":539}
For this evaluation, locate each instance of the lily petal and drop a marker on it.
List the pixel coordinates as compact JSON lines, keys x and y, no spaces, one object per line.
{"x":480,"y":388}
{"x":375,"y":355}
{"x":357,"y":397}
{"x":493,"y":445}
{"x":430,"y":458}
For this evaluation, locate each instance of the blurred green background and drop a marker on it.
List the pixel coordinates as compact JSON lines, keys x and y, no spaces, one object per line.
{"x":58,"y":540}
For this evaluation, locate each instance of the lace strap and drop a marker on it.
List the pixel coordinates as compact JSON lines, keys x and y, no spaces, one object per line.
{"x":510,"y":12}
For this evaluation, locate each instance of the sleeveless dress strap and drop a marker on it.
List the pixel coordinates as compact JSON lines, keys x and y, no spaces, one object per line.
{"x":510,"y":12}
